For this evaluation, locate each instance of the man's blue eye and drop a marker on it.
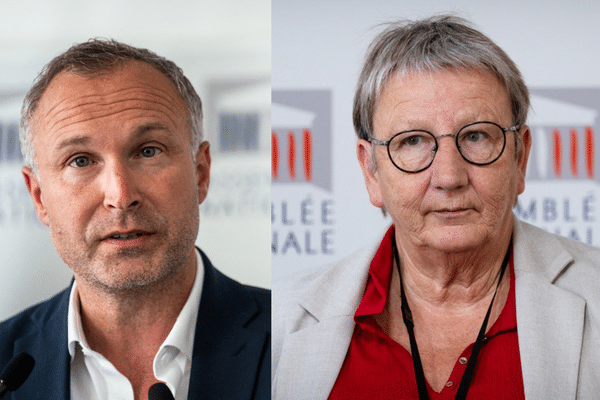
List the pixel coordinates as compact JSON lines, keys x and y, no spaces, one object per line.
{"x":80,"y":162}
{"x":150,"y":152}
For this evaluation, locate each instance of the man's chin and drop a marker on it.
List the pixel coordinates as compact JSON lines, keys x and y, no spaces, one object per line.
{"x":126,"y":277}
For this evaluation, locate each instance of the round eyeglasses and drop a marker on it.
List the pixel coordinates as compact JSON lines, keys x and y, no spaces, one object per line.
{"x":479,"y":143}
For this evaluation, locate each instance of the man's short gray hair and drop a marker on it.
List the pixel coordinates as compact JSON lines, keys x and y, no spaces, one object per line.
{"x":98,"y":56}
{"x":434,"y":44}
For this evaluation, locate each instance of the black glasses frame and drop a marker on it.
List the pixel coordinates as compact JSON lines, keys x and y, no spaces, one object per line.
{"x":386,"y":143}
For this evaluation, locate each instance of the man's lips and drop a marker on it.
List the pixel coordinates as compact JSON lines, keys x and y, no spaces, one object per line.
{"x":123,"y":240}
{"x":126,"y":235}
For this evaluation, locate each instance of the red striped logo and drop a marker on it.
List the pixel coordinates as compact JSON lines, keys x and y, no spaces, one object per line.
{"x":301,"y":138}
{"x":292,"y":156}
{"x":564,"y":123}
{"x":574,"y":159}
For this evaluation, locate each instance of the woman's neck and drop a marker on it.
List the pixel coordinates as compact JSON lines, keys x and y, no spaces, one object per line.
{"x":442,"y":278}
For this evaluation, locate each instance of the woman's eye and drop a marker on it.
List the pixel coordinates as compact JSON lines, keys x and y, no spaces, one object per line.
{"x":150,"y":151}
{"x":475,"y":136}
{"x":413,"y":140}
{"x":80,"y":162}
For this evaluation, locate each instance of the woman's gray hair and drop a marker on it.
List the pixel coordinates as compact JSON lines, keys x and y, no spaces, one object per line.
{"x":434,"y":44}
{"x":95,"y":57}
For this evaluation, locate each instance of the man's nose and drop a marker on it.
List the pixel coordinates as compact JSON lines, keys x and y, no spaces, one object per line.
{"x":449,"y":168}
{"x":120,"y":187}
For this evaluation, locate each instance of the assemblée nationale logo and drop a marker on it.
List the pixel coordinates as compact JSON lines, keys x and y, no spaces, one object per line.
{"x":302,"y":201}
{"x":301,"y":137}
{"x":563,"y":180}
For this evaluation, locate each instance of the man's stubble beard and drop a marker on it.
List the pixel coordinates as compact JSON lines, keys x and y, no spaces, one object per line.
{"x":107,"y":275}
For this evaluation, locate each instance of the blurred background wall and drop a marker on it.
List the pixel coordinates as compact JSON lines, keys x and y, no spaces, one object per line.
{"x":321,"y":211}
{"x":224,"y":47}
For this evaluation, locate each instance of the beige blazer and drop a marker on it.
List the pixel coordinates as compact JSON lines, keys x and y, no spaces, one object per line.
{"x":557,"y":284}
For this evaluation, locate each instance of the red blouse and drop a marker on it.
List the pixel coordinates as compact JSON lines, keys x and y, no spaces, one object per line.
{"x":377,"y":367}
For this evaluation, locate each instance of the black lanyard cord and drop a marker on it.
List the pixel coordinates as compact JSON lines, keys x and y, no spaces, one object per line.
{"x":408,"y":321}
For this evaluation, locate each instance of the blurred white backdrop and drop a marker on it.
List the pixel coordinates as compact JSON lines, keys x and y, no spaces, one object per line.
{"x":224,"y":47}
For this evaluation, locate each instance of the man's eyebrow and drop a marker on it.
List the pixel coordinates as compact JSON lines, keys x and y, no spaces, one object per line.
{"x":73,"y":141}
{"x":139,"y":132}
{"x":145,"y":129}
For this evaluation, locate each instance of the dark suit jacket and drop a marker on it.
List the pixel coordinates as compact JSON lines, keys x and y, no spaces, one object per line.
{"x":232,"y":345}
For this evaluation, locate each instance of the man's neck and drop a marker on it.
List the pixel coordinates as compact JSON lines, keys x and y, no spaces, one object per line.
{"x":133,"y":324}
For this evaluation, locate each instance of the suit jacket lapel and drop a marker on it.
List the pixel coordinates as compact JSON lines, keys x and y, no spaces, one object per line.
{"x":550,"y":319}
{"x":51,"y":376}
{"x":227,"y":352}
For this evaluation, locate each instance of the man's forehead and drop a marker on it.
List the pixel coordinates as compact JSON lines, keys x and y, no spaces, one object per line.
{"x":71,"y":96}
{"x":126,"y":74}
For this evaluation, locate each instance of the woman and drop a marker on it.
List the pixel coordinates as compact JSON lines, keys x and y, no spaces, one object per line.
{"x":459,"y":300}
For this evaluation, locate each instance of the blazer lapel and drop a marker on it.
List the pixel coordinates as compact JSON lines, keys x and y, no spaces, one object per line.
{"x":550,"y":339}
{"x":51,"y":376}
{"x":228,"y":353}
{"x":550,"y":319}
{"x":302,"y":375}
{"x":314,"y":369}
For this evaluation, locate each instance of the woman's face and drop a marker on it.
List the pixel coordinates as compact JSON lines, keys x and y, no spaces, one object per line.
{"x":453,"y":205}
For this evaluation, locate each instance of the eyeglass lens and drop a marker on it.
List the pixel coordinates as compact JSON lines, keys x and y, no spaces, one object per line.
{"x":480,"y":143}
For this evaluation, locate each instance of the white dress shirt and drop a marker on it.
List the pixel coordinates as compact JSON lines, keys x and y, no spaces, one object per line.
{"x":93,"y":377}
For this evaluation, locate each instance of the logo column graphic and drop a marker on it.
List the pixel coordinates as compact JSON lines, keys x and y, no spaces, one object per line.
{"x":290,"y":128}
{"x":564,"y":145}
{"x":302,"y":208}
{"x":563,"y":185}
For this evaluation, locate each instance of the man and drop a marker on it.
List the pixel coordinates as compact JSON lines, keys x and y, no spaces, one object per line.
{"x":116,"y":168}
{"x":459,"y":299}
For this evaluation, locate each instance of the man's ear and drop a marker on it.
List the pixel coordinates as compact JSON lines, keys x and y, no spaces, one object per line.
{"x":363,"y":153}
{"x":35,"y":191}
{"x":203,"y":170}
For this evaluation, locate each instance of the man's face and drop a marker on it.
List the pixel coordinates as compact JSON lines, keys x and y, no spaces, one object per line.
{"x":452,"y":205}
{"x":117,"y":182}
